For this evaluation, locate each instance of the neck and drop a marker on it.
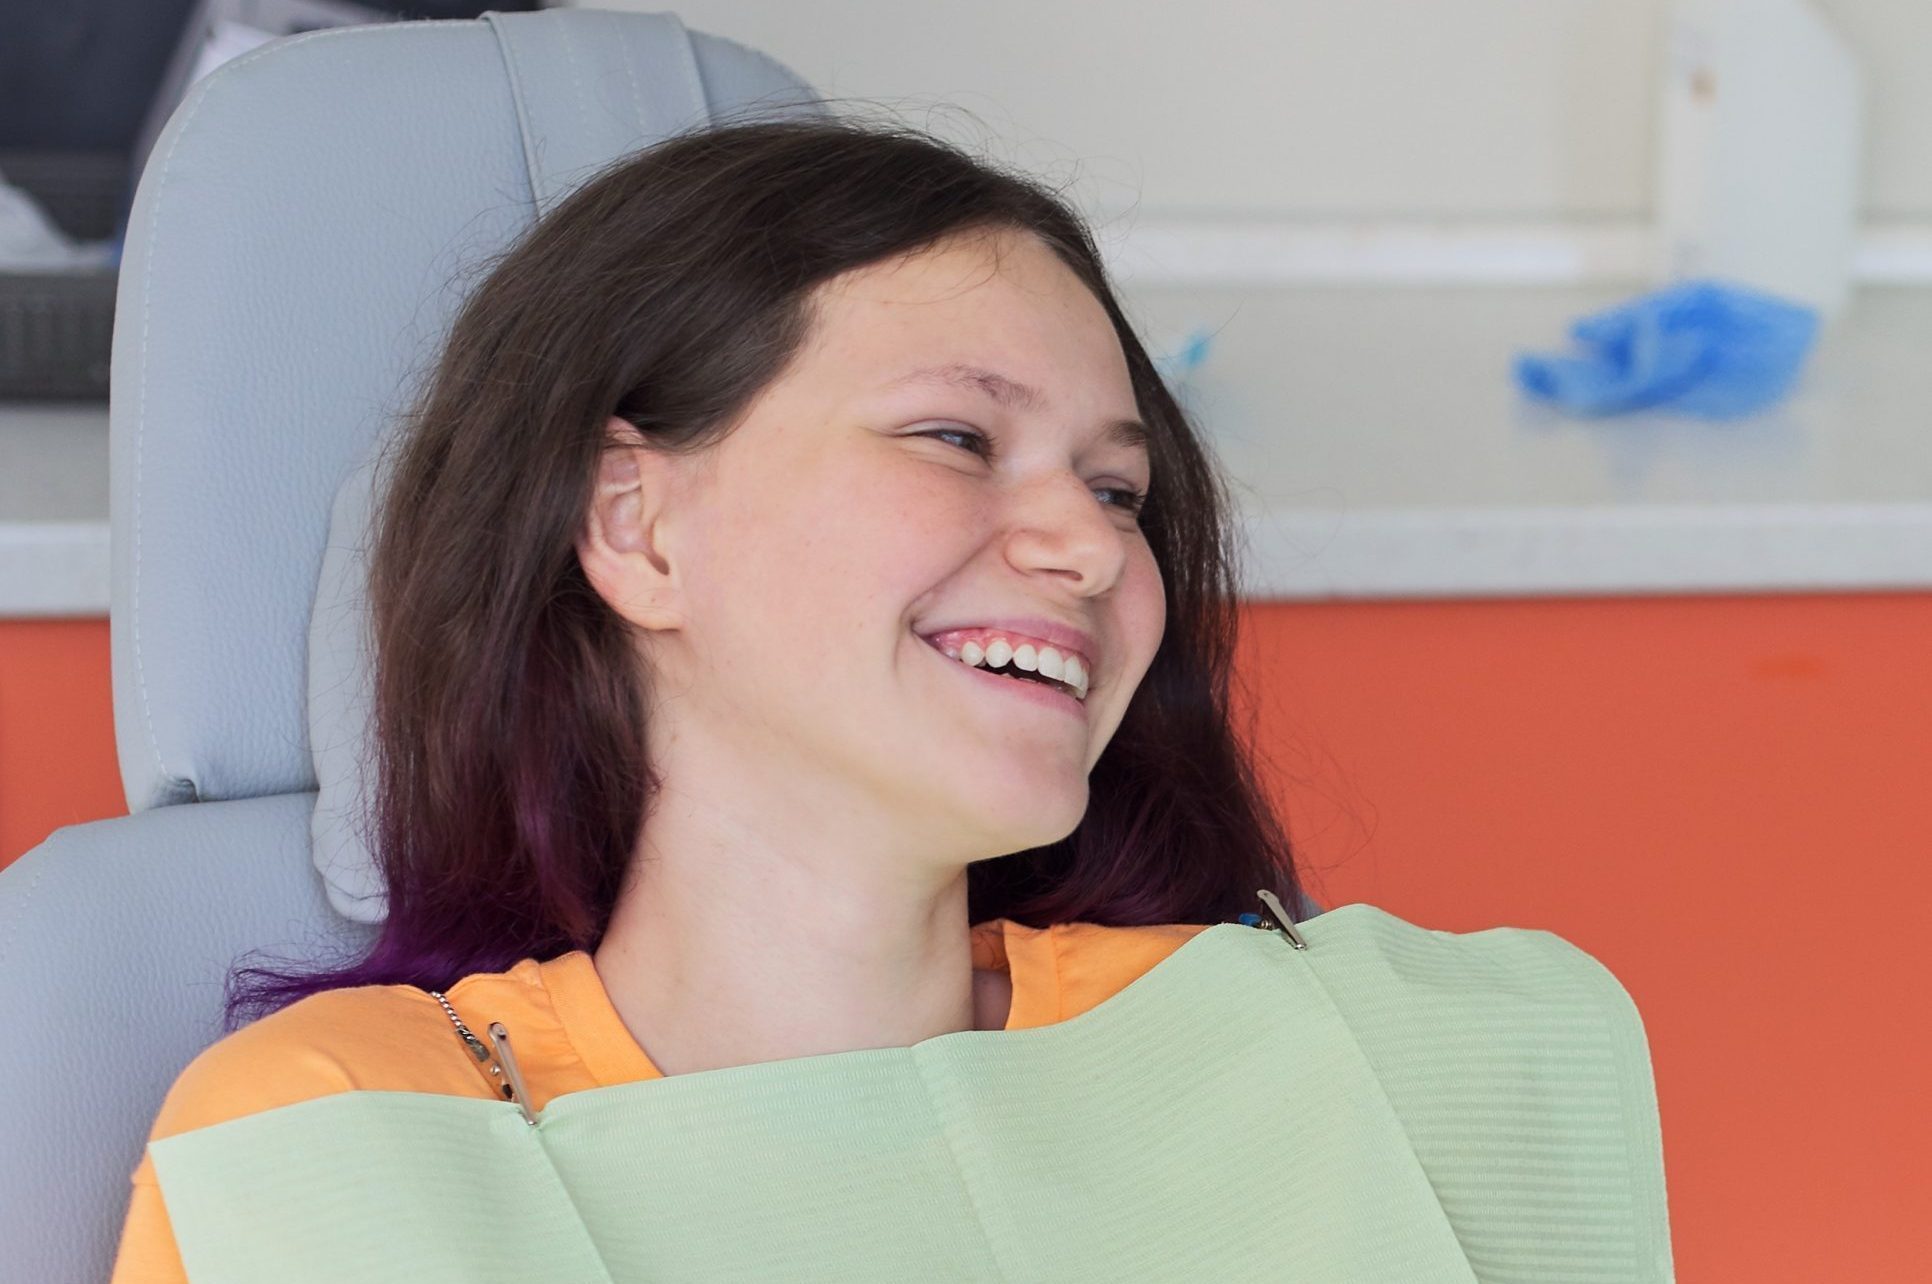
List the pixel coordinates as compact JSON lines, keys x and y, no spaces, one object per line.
{"x":703,"y":990}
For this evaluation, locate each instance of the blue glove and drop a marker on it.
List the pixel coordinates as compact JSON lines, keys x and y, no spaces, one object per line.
{"x":1702,"y":347}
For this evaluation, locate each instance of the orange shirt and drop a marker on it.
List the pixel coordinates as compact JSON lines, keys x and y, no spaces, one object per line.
{"x":566,"y":1034}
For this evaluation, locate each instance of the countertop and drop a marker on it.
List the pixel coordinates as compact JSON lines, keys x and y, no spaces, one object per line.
{"x":1377,"y":448}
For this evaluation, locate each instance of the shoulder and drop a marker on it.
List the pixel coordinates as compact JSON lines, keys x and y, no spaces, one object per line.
{"x":1522,"y":960}
{"x":1502,"y":986}
{"x":1491,"y":1011}
{"x":335,"y":1041}
{"x":1507,"y":1054}
{"x":372,"y":1037}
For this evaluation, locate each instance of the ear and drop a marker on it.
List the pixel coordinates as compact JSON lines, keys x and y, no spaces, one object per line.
{"x":620,"y":544}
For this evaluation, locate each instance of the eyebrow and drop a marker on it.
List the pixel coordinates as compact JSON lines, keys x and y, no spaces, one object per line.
{"x":1129,"y":433}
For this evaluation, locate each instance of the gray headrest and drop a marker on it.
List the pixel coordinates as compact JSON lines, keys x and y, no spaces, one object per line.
{"x":308,"y":217}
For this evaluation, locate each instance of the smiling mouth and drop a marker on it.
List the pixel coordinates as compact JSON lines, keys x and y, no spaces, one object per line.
{"x":1076,"y":683}
{"x":1012,"y":671}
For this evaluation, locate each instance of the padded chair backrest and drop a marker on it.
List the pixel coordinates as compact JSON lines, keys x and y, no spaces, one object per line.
{"x":303,"y":232}
{"x":297,"y":244}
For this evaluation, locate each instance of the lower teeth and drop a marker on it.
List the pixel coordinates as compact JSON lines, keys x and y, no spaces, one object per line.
{"x":1021,"y":675}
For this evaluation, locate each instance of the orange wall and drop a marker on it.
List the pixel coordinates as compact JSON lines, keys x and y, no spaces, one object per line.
{"x":1724,"y":799}
{"x":57,"y":764}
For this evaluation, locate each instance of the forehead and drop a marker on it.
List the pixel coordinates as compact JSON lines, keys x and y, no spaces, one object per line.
{"x":1001,"y":319}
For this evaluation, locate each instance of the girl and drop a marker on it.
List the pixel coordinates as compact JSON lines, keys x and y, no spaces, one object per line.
{"x":811,"y":816}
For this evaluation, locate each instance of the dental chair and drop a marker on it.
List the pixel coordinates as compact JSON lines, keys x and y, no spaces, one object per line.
{"x":303,"y":232}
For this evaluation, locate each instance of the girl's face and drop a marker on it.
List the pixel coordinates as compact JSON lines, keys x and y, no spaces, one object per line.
{"x":797,"y":571}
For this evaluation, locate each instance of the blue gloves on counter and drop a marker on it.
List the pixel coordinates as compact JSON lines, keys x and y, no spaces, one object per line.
{"x":1705,"y":348}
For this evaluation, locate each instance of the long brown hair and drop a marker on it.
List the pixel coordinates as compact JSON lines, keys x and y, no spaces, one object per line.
{"x":669,"y":289}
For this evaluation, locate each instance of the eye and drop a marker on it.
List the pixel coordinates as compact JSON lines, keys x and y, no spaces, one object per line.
{"x":1133,"y":502}
{"x":984,"y":447}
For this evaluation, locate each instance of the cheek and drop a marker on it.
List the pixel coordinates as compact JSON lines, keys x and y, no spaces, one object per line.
{"x":1144,"y":599}
{"x":825,"y":551}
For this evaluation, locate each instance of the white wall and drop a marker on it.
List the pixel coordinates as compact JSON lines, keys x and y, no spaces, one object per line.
{"x":1893,"y":42}
{"x":1333,"y":139}
{"x":1515,"y":109}
{"x":1252,"y":108}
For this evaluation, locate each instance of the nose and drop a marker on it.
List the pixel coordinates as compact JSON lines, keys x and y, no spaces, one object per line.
{"x":1059,"y":526}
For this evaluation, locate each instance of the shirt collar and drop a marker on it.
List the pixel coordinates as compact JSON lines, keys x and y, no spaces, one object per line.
{"x":606,"y":1047}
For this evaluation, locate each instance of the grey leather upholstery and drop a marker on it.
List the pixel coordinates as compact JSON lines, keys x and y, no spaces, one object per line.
{"x":303,"y":231}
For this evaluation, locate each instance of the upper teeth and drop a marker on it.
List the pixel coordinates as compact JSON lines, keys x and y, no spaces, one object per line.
{"x":1043,"y":660}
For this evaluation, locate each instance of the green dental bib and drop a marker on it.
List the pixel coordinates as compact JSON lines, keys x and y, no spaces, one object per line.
{"x":1389,"y":1104}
